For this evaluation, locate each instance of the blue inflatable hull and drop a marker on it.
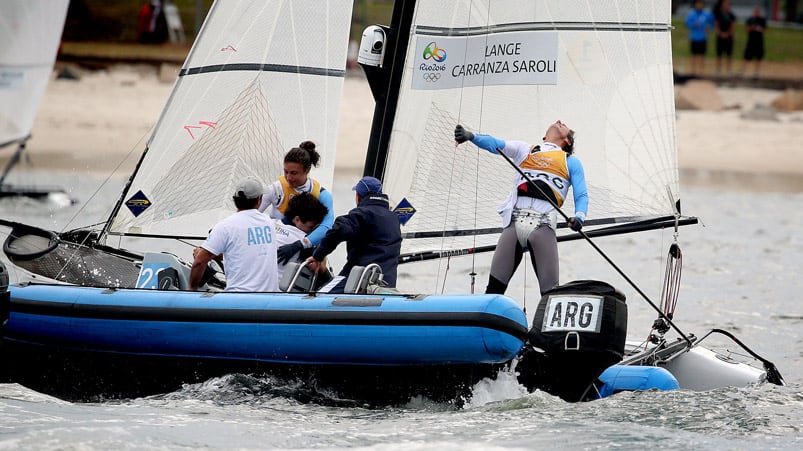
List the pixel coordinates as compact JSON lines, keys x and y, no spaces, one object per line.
{"x":386,"y":342}
{"x":632,"y":378}
{"x":83,"y":343}
{"x":285,"y":328}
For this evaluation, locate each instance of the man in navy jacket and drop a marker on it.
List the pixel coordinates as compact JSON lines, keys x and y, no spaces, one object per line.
{"x":372,"y":233}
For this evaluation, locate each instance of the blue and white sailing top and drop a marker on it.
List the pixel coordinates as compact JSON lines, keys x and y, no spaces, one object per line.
{"x":278,"y":195}
{"x":548,"y":163}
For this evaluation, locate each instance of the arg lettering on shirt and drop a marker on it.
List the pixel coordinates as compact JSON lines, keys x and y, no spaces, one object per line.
{"x":259,"y":235}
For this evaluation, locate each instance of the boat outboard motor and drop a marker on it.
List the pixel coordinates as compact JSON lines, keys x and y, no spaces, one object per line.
{"x":578,"y":331}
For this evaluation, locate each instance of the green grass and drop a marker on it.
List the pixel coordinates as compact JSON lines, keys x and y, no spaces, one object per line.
{"x":368,"y":12}
{"x":115,"y":21}
{"x":780,"y":44}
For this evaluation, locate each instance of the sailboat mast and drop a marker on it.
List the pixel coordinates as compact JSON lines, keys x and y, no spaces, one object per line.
{"x":385,"y":84}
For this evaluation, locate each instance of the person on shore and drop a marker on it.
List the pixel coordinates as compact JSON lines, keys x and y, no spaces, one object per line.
{"x":304,"y":213}
{"x":528,"y":215}
{"x":246,"y":241}
{"x":754,"y":49}
{"x":297,"y":164}
{"x":372,"y":233}
{"x":152,"y":23}
{"x":725,"y":24}
{"x":699,"y":21}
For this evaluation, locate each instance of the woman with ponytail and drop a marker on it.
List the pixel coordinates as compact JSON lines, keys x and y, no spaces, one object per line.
{"x":297,"y":163}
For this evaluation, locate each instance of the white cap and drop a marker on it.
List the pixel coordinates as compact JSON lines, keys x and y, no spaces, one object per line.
{"x":249,"y":188}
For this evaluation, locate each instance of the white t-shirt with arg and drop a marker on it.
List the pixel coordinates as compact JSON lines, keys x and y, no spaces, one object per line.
{"x":248,"y":244}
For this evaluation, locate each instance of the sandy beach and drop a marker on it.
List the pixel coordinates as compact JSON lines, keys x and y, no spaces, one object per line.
{"x":101,"y":122}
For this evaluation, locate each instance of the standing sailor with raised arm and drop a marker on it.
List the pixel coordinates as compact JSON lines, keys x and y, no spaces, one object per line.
{"x":528,"y":215}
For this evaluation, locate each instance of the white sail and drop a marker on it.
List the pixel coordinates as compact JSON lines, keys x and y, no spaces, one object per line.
{"x":511,"y":68}
{"x":30,"y":32}
{"x":262,"y":77}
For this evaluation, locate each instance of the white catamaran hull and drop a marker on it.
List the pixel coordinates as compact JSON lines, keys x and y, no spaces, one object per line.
{"x":702,"y":369}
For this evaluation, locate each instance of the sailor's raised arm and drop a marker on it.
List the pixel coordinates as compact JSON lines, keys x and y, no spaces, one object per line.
{"x":516,"y":150}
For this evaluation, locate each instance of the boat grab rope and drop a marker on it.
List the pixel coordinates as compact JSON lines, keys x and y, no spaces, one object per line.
{"x":473,"y":272}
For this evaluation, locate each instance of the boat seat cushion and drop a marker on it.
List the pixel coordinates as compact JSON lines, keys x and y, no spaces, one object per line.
{"x":360,"y":277}
{"x":297,"y":278}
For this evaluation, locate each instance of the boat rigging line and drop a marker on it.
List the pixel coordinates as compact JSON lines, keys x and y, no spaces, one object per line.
{"x":473,"y":273}
{"x":671,"y":286}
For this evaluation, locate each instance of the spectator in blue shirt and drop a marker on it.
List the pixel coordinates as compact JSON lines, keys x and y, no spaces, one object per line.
{"x":699,"y":21}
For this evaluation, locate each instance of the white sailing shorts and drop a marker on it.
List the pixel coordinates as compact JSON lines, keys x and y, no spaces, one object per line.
{"x":525,"y":221}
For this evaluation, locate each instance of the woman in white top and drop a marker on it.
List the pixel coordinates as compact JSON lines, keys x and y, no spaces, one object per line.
{"x":528,"y":215}
{"x":297,"y":164}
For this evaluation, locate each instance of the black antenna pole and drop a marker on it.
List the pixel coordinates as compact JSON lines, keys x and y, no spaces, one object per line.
{"x":385,"y":83}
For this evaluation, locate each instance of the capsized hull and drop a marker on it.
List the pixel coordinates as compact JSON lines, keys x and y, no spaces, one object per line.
{"x":703,"y":369}
{"x":696,"y":367}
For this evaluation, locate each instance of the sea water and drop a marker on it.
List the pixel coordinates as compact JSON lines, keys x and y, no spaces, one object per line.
{"x":740,"y":272}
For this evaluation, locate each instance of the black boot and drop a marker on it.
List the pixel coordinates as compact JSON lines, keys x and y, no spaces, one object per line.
{"x":495,"y":286}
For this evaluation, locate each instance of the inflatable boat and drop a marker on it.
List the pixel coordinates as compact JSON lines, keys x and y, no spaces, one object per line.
{"x":75,"y":341}
{"x":87,"y":343}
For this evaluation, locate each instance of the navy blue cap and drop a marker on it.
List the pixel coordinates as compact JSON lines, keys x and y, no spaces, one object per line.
{"x":368,"y":185}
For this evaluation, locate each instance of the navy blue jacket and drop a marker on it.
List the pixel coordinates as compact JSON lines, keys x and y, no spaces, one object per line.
{"x":372,"y":234}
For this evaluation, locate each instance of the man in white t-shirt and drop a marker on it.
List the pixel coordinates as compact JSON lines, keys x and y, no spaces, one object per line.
{"x":304,"y":213}
{"x":246,"y":240}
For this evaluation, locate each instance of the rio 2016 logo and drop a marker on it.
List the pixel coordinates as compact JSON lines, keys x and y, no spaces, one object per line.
{"x":432,"y":51}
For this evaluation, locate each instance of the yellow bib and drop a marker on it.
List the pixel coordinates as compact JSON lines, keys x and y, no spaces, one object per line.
{"x":288,"y":192}
{"x":548,"y":166}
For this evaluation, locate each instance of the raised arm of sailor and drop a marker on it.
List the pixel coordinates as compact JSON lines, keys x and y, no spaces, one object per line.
{"x":515,"y":150}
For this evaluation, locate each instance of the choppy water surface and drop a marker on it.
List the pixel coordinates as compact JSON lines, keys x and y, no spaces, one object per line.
{"x":740,"y":272}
